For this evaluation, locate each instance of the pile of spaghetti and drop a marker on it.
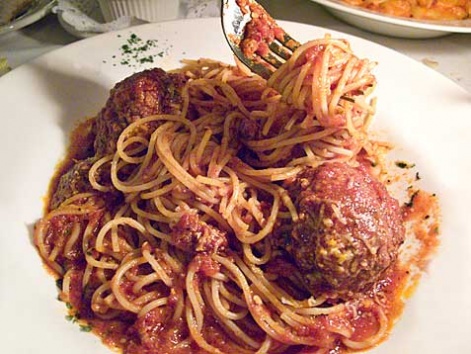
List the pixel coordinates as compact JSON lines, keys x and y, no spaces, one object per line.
{"x":164,"y":228}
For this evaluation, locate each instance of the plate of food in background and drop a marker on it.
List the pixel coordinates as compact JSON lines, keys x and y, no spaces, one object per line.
{"x":403,"y":18}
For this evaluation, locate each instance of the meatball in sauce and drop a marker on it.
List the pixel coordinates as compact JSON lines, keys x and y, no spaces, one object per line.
{"x":145,"y":93}
{"x":140,"y":95}
{"x":349,"y":228}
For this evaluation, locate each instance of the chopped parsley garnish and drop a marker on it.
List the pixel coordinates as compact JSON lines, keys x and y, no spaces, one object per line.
{"x":59,"y":283}
{"x":137,"y":51}
{"x":349,"y":99}
{"x":402,"y":164}
{"x":85,"y":328}
{"x":410,"y":203}
{"x":74,"y":318}
{"x":71,"y":318}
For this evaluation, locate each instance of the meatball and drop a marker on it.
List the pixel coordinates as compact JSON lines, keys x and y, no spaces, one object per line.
{"x":191,"y":234}
{"x":349,"y":229}
{"x":72,"y":182}
{"x":140,"y":95}
{"x":76,"y":180}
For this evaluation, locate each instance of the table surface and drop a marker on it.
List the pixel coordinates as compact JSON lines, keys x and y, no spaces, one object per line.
{"x":449,"y":55}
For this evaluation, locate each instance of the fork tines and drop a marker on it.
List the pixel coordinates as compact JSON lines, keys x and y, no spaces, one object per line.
{"x":280,"y":50}
{"x":275,"y":46}
{"x":255,"y":37}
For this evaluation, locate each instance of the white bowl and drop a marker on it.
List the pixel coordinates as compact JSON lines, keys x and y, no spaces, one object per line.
{"x":147,"y":10}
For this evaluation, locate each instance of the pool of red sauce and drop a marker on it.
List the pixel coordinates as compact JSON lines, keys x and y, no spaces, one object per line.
{"x":421,"y":214}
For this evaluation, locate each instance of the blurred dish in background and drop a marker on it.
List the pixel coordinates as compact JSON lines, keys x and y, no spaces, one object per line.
{"x":86,"y":18}
{"x":432,"y":10}
{"x":18,"y":14}
{"x":11,"y":9}
{"x":147,"y":10}
{"x":391,"y":25}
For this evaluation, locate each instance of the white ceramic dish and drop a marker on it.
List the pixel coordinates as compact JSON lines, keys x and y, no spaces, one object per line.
{"x":84,"y":19}
{"x":147,"y":10}
{"x":89,"y":9}
{"x":422,"y":112}
{"x":36,"y":12}
{"x":393,"y":26}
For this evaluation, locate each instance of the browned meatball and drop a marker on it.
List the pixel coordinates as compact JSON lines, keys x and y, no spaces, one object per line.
{"x":191,"y":234}
{"x":140,"y":95}
{"x":349,"y":229}
{"x":74,"y":181}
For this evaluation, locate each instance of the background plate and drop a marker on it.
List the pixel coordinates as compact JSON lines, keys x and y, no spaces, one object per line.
{"x":424,"y":114}
{"x":393,"y":26}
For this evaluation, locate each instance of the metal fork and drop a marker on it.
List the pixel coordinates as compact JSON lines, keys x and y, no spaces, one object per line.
{"x":261,"y":54}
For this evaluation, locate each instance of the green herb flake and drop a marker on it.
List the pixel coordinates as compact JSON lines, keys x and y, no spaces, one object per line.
{"x":410,"y":203}
{"x":136,"y":51}
{"x":71,"y":318}
{"x":148,"y":59}
{"x":346,"y":98}
{"x":402,"y":164}
{"x":126,"y":49}
{"x":59,"y":283}
{"x":85,"y":328}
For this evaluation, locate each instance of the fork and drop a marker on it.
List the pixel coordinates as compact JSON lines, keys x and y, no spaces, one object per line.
{"x":254,"y":36}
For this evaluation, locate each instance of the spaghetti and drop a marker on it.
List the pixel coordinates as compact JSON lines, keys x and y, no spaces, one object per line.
{"x":183,"y":257}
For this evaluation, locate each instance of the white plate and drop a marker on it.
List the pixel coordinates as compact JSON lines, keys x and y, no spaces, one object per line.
{"x":393,"y":26}
{"x":425,"y":114}
{"x":36,"y":12}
